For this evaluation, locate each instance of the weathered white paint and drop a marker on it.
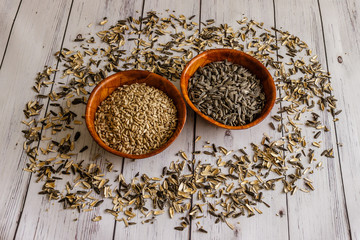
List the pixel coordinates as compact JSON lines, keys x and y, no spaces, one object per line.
{"x":82,"y":14}
{"x":163,"y":227}
{"x":248,"y":228}
{"x":319,"y":213}
{"x":39,"y":30}
{"x":31,"y":44}
{"x":341,"y":30}
{"x":8,"y":11}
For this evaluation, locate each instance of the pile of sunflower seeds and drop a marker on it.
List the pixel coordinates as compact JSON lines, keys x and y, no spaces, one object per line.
{"x":227,"y":92}
{"x":231,"y":187}
{"x":136,"y":119}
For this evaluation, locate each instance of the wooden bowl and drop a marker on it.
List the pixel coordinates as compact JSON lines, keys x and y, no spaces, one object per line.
{"x":111,"y":83}
{"x":237,"y":57}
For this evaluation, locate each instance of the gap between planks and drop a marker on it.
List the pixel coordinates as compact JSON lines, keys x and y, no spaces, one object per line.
{"x":335,"y":127}
{"x":194,"y":135}
{"x":319,"y":8}
{"x":42,"y":127}
{"x":282,"y":129}
{"x":8,"y":39}
{"x":123,"y":159}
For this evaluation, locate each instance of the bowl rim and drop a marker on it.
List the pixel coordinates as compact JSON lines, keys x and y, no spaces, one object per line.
{"x":90,"y":123}
{"x":184,"y":90}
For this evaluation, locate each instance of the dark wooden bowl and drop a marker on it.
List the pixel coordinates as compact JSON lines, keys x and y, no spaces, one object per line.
{"x":240,"y":58}
{"x":111,"y":83}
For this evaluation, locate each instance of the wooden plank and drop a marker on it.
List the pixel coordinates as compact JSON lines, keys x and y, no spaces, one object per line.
{"x":257,"y":226}
{"x":38,"y":215}
{"x":163,"y":226}
{"x":30,"y":43}
{"x":8,"y":12}
{"x":322,"y":212}
{"x":342,"y":41}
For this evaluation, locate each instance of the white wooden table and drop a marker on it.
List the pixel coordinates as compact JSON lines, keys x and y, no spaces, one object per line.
{"x":32,"y":30}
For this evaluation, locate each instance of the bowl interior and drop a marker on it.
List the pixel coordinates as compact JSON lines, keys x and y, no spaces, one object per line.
{"x":111,"y":83}
{"x":237,"y":57}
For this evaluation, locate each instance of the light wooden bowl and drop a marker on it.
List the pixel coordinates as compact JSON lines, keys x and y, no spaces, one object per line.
{"x":111,"y":83}
{"x":240,"y":58}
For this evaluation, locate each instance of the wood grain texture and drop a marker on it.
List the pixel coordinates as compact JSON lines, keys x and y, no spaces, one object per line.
{"x":163,"y":226}
{"x":36,"y":41}
{"x":267,"y":225}
{"x":111,"y":83}
{"x":8,"y":10}
{"x":236,"y":57}
{"x":39,"y":221}
{"x":342,"y":41}
{"x":330,"y":212}
{"x":322,"y":212}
